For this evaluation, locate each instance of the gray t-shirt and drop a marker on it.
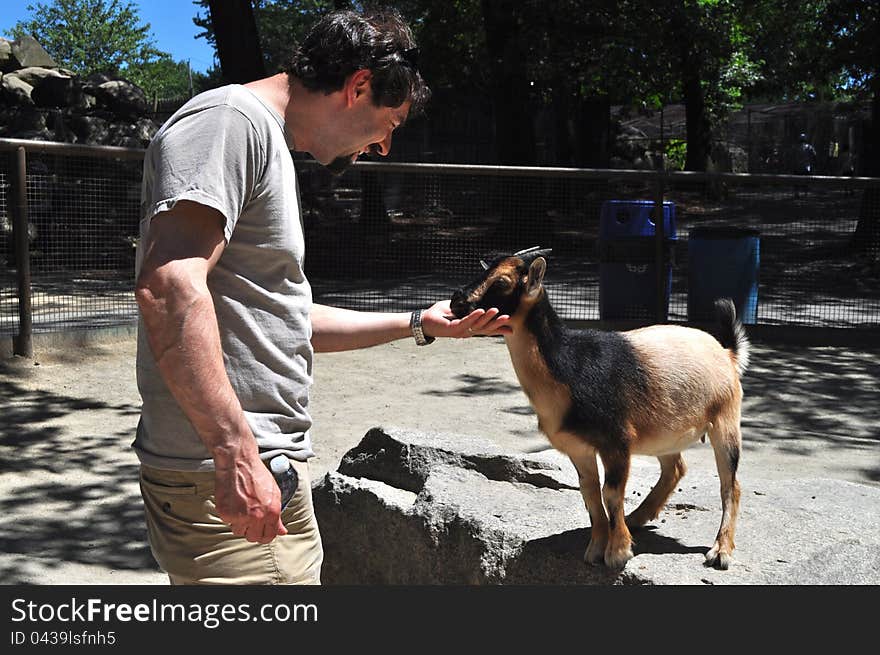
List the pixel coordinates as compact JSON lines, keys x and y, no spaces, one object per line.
{"x":226,"y":149}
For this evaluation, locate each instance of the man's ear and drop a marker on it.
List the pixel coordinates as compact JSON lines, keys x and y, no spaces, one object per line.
{"x":358,"y":84}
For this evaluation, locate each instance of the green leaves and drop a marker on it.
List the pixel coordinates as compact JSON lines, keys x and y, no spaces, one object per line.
{"x":90,"y":35}
{"x":105,"y":36}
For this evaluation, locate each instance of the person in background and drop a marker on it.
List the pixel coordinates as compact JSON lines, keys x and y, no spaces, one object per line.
{"x":806,"y":157}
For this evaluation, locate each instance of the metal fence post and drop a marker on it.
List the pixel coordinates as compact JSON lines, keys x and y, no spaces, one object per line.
{"x":660,"y":250}
{"x":23,"y":343}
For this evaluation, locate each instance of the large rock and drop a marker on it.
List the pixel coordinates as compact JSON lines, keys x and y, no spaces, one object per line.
{"x":15,"y":90}
{"x":90,"y":129}
{"x":51,"y":88}
{"x":407,"y":507}
{"x":61,"y":132}
{"x":28,"y":52}
{"x":121,"y":97}
{"x":44,"y":87}
{"x":24,"y":122}
{"x":33,"y":75}
{"x":44,"y":102}
{"x":7,"y":63}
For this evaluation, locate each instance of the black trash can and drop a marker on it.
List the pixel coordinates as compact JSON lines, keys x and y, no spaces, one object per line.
{"x":723,"y":263}
{"x":628,"y":260}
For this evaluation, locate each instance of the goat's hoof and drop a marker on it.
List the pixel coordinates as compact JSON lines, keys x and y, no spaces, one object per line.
{"x":595,"y":554}
{"x":618,"y":560}
{"x":634,"y":520}
{"x":718,"y":557}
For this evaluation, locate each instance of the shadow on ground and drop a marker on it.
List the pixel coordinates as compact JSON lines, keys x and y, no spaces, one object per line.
{"x":75,"y":498}
{"x":68,"y":479}
{"x":814,"y":401}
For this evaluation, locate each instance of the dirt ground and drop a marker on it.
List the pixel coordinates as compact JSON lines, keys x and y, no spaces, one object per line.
{"x":71,"y":510}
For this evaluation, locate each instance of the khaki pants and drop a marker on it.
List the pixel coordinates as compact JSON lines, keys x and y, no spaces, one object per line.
{"x":194,"y":546}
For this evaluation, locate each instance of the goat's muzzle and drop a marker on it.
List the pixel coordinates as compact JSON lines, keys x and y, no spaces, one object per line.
{"x":459,"y":304}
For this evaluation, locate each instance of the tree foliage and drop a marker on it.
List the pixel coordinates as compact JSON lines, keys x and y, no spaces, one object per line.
{"x":280,"y":24}
{"x":90,"y":35}
{"x":104,"y":36}
{"x":573,"y":57}
{"x":165,"y":78}
{"x":854,"y":26}
{"x":815,"y":49}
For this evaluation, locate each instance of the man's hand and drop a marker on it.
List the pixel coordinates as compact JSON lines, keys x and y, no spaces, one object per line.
{"x":248,"y":499}
{"x":439,"y":321}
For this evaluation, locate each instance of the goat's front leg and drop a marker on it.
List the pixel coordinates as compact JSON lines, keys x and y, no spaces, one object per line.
{"x":619,"y":549}
{"x":588,"y":474}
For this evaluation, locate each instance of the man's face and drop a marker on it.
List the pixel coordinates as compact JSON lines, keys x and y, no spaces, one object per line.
{"x":365,"y":128}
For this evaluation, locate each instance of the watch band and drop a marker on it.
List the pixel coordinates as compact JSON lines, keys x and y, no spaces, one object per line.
{"x":415,"y":324}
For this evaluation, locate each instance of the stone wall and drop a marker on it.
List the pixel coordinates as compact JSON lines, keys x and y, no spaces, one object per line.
{"x":42,"y":101}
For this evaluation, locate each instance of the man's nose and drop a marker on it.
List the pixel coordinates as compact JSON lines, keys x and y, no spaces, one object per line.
{"x":382,"y":147}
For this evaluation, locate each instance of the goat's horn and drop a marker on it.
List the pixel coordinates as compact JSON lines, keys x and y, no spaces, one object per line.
{"x":527,"y":250}
{"x":484,"y":265}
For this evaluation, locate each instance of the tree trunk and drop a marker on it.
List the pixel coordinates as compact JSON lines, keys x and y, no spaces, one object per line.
{"x":238,"y":44}
{"x":594,"y":132}
{"x":699,"y":132}
{"x":681,"y":29}
{"x":866,"y":238}
{"x":563,"y":125}
{"x":516,"y":198}
{"x":514,"y":116}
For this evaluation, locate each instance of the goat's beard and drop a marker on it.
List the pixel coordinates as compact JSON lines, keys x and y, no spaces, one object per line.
{"x":339,"y":165}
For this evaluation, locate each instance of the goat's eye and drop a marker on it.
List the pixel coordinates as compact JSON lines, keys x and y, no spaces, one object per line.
{"x":502,"y":284}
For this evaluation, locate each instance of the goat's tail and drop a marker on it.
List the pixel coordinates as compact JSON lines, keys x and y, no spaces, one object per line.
{"x":732,"y":335}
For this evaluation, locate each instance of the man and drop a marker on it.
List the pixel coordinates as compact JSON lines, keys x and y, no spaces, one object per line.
{"x":228,"y":327}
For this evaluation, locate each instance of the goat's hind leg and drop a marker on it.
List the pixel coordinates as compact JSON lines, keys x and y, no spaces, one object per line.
{"x":591,"y":490}
{"x":672,"y":470}
{"x":726,"y":441}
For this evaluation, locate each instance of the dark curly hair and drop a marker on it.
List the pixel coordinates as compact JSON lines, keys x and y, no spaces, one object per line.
{"x":380,"y":41}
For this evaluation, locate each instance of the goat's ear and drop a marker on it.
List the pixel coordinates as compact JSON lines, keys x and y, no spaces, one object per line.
{"x":536,"y":276}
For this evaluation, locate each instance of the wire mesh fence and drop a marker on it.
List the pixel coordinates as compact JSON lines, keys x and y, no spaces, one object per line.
{"x":396,"y":236}
{"x":82,"y":220}
{"x":393,"y":237}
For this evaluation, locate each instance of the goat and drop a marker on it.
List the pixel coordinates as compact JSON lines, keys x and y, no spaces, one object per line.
{"x":650,"y":391}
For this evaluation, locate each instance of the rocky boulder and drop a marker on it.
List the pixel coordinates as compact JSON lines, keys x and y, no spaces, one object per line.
{"x":27,"y":52}
{"x":42,"y":101}
{"x":406,"y":507}
{"x":121,"y":97}
{"x":6,"y":62}
{"x":15,"y":90}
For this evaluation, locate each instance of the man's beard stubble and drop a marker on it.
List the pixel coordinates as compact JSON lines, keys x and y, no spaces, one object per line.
{"x":339,"y":165}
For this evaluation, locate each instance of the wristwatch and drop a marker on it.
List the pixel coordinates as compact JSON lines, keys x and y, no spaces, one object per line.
{"x":415,"y":324}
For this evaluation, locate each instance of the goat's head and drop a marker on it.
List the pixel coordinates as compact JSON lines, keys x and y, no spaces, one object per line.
{"x":505,"y":283}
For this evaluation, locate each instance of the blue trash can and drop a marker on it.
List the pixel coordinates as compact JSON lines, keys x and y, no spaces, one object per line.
{"x":723,"y":263}
{"x":628,"y":261}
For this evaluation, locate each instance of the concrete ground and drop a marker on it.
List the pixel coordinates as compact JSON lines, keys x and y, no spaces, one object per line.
{"x":71,"y":511}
